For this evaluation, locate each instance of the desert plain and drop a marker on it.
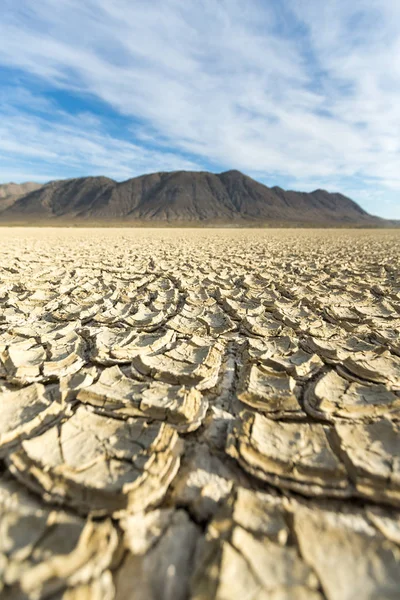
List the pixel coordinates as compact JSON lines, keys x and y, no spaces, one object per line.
{"x":199,"y":414}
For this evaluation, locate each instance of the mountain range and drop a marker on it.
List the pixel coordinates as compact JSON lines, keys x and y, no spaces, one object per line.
{"x":178,"y":197}
{"x":10,"y":192}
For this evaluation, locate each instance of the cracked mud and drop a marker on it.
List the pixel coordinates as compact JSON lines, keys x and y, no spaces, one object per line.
{"x":199,"y":414}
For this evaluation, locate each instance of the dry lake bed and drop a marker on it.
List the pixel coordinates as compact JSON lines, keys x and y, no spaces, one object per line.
{"x":203,"y":414}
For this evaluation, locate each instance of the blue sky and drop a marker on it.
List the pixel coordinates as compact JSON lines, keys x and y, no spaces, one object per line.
{"x":298,"y":93}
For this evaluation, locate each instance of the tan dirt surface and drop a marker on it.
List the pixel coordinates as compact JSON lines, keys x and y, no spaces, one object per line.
{"x":199,"y":414}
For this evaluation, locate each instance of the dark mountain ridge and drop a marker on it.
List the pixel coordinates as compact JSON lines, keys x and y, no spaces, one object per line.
{"x":10,"y":192}
{"x":184,"y":196}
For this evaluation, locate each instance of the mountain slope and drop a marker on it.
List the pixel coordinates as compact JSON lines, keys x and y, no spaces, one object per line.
{"x":184,"y":196}
{"x":10,"y":192}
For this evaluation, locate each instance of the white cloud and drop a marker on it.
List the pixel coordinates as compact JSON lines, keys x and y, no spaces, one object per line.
{"x":300,"y":88}
{"x":71,"y":143}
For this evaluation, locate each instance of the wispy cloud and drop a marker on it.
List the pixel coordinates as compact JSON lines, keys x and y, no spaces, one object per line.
{"x":296,"y":90}
{"x":32,"y":146}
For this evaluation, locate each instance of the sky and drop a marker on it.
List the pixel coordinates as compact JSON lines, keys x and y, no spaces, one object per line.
{"x":303,"y":94}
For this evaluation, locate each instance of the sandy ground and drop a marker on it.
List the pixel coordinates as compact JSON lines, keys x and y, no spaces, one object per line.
{"x":206,"y":414}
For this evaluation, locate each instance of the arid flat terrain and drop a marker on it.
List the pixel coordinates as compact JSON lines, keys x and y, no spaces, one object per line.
{"x":199,"y":414}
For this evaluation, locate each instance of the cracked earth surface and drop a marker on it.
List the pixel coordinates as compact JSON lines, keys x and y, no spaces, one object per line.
{"x":199,"y":414}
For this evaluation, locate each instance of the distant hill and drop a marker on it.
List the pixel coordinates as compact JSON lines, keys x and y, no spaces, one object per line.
{"x":184,"y":197}
{"x":10,"y":192}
